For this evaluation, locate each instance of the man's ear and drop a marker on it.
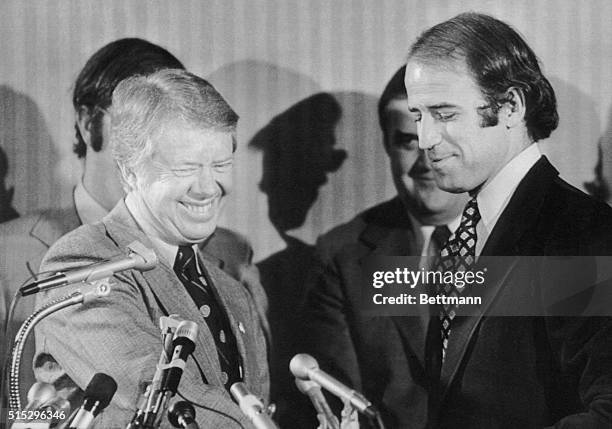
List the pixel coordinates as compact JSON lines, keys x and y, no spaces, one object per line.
{"x":84,"y":123}
{"x":514,"y":108}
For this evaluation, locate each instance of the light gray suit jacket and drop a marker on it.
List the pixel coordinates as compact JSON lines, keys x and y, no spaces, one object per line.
{"x":119,"y":334}
{"x":24,"y":242}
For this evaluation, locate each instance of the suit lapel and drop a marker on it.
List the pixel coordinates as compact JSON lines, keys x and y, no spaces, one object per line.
{"x":508,"y":238}
{"x":51,"y":225}
{"x":393,"y":236}
{"x":169,"y":292}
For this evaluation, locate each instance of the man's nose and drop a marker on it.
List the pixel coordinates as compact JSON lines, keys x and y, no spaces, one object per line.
{"x":429,"y":133}
{"x":205,"y":184}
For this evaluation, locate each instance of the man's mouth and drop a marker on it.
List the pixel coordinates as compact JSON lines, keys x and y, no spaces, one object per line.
{"x":438,"y":160}
{"x":200,"y":207}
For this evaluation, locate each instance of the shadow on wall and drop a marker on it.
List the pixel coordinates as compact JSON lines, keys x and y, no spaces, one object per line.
{"x":7,"y":212}
{"x":573,"y":145}
{"x":601,"y":186}
{"x":298,"y":153}
{"x":30,"y":152}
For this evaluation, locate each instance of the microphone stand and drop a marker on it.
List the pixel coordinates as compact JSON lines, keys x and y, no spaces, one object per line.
{"x":100,"y":288}
{"x":350,"y":418}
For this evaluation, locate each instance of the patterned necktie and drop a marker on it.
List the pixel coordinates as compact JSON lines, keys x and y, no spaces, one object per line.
{"x":439,"y":237}
{"x":458,"y":254}
{"x":202,"y":294}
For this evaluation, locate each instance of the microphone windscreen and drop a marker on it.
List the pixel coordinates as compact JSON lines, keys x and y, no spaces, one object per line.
{"x":101,"y":388}
{"x":301,"y":364}
{"x":180,"y":409}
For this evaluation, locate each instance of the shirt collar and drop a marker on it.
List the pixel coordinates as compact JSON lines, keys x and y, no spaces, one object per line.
{"x":165,"y":250}
{"x":493,"y":198}
{"x":423,"y":232}
{"x":88,"y":209}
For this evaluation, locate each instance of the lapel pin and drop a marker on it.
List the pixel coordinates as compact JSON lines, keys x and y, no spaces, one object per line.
{"x":241,"y":327}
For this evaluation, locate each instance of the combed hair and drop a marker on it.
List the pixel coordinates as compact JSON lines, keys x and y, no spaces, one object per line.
{"x":111,"y":64}
{"x":394,"y":90}
{"x":143,"y":105}
{"x":498,"y":59}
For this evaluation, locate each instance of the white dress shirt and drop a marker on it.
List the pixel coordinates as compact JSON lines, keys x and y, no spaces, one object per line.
{"x":494,"y":197}
{"x":422,"y":235}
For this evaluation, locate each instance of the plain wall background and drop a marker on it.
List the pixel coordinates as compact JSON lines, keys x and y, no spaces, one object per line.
{"x":268,"y":56}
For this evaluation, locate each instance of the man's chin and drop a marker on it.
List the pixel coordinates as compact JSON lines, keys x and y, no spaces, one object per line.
{"x":197,"y":236}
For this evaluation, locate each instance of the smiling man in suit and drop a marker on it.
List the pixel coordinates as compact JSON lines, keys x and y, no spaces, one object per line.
{"x":481,"y":102}
{"x":24,"y":241}
{"x":369,"y":353}
{"x":173,"y":137}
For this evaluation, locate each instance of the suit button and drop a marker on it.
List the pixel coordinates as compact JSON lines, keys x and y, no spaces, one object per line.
{"x":205,"y":310}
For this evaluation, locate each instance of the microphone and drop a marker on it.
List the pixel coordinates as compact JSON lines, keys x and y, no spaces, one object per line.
{"x":305,"y":367}
{"x":38,"y":394}
{"x":140,"y":258}
{"x":98,"y":395}
{"x":251,"y":407}
{"x":183,"y":345}
{"x":182,"y":415}
{"x":313,"y":391}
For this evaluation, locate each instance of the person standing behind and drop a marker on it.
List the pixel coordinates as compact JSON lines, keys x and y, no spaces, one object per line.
{"x":381,"y":357}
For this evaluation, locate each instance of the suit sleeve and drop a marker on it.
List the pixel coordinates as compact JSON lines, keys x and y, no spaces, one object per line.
{"x":117,"y":335}
{"x":327,"y":314}
{"x":582,"y":344}
{"x":584,"y":350}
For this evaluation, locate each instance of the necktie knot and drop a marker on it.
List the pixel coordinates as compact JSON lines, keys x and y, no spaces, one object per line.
{"x":185,"y":261}
{"x":471,"y":214}
{"x":440,"y":236}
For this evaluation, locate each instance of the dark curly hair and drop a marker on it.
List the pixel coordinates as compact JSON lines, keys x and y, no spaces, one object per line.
{"x":395,"y":89}
{"x":110,"y":65}
{"x":498,"y":59}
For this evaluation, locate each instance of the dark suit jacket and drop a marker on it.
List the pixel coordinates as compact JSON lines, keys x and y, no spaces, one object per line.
{"x":499,"y":372}
{"x":119,"y":334}
{"x":367,"y":353}
{"x":532,"y":372}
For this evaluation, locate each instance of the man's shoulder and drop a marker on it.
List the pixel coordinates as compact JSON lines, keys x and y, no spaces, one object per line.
{"x":87,"y":242}
{"x":579,"y":215}
{"x":23,"y":225}
{"x":386,"y":216}
{"x":579,"y":205}
{"x":226,"y":239}
{"x":49,"y":224}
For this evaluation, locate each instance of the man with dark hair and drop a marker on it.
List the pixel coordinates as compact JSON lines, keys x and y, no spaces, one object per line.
{"x":481,"y":102}
{"x":173,"y":137}
{"x":369,"y":353}
{"x":24,"y":241}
